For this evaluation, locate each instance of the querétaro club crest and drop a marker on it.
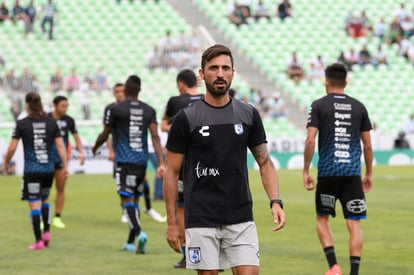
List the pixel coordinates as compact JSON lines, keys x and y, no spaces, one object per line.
{"x":195,"y":254}
{"x":238,"y":128}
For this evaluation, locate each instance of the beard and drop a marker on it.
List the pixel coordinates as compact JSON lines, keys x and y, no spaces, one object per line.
{"x":220,"y":91}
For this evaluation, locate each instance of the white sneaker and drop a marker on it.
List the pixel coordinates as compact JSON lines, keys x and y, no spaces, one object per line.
{"x":155,"y":215}
{"x":124,"y":218}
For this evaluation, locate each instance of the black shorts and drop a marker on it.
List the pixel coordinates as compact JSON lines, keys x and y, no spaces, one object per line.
{"x":58,"y":165}
{"x":349,"y":192}
{"x":129,"y":178}
{"x":36,"y":186}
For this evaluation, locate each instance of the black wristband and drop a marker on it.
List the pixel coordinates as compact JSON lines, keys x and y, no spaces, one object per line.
{"x":279,"y":201}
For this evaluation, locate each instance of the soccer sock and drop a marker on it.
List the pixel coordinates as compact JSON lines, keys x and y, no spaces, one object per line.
{"x":134,"y":227}
{"x":147,"y":195}
{"x":355,"y":260}
{"x":330,"y":255}
{"x":183,"y":250}
{"x":35,"y":218}
{"x":58,"y":215}
{"x":46,"y":214}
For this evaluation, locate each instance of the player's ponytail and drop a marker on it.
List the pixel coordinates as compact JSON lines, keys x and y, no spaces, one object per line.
{"x":34,"y":102}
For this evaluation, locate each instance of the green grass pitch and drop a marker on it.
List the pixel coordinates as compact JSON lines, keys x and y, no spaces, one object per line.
{"x":91,"y":243}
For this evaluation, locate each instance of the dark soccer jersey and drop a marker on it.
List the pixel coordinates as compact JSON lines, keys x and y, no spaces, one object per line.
{"x":129,"y":121}
{"x":38,"y":137}
{"x":177,"y":103}
{"x":340,"y":120}
{"x":106,"y":110}
{"x":66,"y":124}
{"x":214,"y":141}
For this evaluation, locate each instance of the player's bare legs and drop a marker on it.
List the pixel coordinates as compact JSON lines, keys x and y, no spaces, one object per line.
{"x":324,"y":231}
{"x":60,"y":182}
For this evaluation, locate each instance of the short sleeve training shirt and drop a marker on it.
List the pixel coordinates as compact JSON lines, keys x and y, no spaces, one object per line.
{"x":340,"y":119}
{"x":38,"y":136}
{"x":214,"y":142}
{"x":129,"y":121}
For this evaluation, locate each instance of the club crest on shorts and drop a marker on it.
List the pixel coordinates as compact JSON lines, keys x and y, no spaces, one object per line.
{"x":195,"y":254}
{"x":238,"y":128}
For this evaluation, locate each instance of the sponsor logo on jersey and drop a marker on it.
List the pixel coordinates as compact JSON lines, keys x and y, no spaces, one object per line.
{"x":206,"y":171}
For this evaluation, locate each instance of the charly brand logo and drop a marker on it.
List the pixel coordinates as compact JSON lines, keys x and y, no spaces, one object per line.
{"x":204,"y":131}
{"x":206,"y":171}
{"x":356,"y":206}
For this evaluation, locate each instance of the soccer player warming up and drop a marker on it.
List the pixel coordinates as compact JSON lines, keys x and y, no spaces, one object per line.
{"x":342,"y":122}
{"x":39,"y":134}
{"x":129,"y":122}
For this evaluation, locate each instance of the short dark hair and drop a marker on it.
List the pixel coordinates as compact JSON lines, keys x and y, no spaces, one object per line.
{"x":117,"y":85}
{"x":215,"y":51}
{"x":336,"y":74}
{"x":132,"y":85}
{"x":58,"y":99}
{"x":188,"y":77}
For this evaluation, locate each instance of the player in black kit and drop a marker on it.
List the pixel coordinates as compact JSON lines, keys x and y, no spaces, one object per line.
{"x":212,"y":136}
{"x":342,"y":122}
{"x":187,"y":87}
{"x":129,"y":122}
{"x":66,"y":124}
{"x":39,"y":134}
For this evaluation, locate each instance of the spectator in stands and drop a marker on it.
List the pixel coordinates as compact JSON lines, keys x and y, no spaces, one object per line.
{"x":352,"y":57}
{"x":355,"y":27}
{"x":284,"y":10}
{"x":154,"y":58}
{"x":410,"y":53}
{"x":366,"y":24}
{"x":18,"y":12}
{"x":100,"y":81}
{"x":317,"y":69}
{"x":342,"y":59}
{"x":401,"y":142}
{"x":16,"y":106}
{"x":4,"y":12}
{"x":401,"y":12}
{"x":83,"y":94}
{"x":72,"y":81}
{"x":394,"y":31}
{"x":261,"y":11}
{"x":294,"y":68}
{"x":380,"y":57}
{"x":30,"y":12}
{"x":403,"y":46}
{"x":364,"y":56}
{"x":11,"y":82}
{"x":56,"y":82}
{"x":409,"y":125}
{"x":49,"y":10}
{"x":245,"y":6}
{"x":28,"y":82}
{"x":275,"y":106}
{"x":380,"y":29}
{"x":238,"y":15}
{"x":407,"y":26}
{"x":2,"y":59}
